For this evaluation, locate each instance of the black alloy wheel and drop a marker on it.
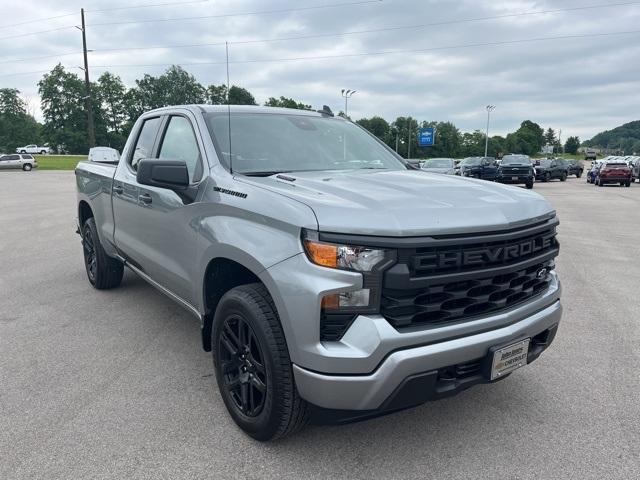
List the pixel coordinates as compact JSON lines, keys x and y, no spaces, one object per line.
{"x":242,"y":366}
{"x":90,"y":255}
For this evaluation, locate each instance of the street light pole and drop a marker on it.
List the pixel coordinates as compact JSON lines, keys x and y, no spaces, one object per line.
{"x":490,"y":109}
{"x":347,"y":95}
{"x":87,"y":85}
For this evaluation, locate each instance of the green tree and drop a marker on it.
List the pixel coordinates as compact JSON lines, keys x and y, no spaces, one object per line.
{"x":285,"y":102}
{"x":550,"y":137}
{"x":447,"y":141}
{"x":405,"y":134}
{"x":65,"y":120}
{"x":528,"y":139}
{"x":216,"y":94}
{"x":376,"y":125}
{"x":571,"y":145}
{"x":111,"y":96}
{"x":17,"y":127}
{"x":240,"y":96}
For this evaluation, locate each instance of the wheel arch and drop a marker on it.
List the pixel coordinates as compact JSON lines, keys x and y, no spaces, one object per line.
{"x":84,"y":212}
{"x":221,"y":275}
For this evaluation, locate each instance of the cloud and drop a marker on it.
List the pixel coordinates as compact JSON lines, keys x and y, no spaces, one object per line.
{"x":581,"y":85}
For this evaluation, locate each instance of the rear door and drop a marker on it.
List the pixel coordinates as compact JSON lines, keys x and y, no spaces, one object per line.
{"x":10,"y":161}
{"x":153,"y":227}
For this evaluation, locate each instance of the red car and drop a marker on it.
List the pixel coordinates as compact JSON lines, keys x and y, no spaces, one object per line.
{"x":614,"y":172}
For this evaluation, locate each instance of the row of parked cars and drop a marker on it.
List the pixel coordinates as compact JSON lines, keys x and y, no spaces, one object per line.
{"x":514,"y":169}
{"x":612,"y":169}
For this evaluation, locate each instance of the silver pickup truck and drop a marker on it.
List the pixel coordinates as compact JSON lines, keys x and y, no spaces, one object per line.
{"x":332,"y":280}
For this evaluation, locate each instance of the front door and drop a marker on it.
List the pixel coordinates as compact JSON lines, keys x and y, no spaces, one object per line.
{"x":153,"y":228}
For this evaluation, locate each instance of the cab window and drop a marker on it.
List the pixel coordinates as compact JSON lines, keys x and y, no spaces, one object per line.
{"x":145,"y":141}
{"x":180,"y":143}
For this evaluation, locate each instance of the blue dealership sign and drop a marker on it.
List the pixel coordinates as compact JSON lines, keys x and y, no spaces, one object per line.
{"x":426,"y":137}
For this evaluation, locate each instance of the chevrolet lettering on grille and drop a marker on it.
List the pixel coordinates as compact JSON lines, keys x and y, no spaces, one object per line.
{"x":484,"y":256}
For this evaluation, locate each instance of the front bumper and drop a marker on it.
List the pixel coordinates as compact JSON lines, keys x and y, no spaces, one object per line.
{"x":519,"y":178}
{"x":412,"y":376}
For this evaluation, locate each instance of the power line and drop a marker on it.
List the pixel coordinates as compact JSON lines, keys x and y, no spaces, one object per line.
{"x":129,"y":7}
{"x":387,"y":52}
{"x":226,"y":15}
{"x":362,"y":54}
{"x":41,"y":57}
{"x":27,"y":34}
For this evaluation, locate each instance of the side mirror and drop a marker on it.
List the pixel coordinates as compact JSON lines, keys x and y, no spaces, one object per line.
{"x":171,"y":174}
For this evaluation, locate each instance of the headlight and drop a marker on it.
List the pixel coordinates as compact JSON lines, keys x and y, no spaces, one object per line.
{"x":345,"y":257}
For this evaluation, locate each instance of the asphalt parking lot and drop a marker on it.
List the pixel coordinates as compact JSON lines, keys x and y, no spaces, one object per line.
{"x":114,"y":384}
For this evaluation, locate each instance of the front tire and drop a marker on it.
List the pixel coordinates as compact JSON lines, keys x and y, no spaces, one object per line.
{"x":43,"y":152}
{"x":563,"y":177}
{"x":23,"y":151}
{"x":529,"y":185}
{"x":103,"y":271}
{"x":253,"y":369}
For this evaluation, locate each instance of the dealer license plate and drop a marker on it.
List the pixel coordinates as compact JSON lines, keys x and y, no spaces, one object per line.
{"x":508,"y":359}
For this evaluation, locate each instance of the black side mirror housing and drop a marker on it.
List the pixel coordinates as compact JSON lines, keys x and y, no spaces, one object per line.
{"x":171,"y":174}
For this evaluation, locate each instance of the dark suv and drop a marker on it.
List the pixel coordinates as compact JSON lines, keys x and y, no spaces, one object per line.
{"x":516,"y":169}
{"x":552,"y":168}
{"x":478,"y":167}
{"x":575,"y":167}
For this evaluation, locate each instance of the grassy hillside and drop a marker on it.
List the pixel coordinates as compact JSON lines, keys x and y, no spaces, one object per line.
{"x":59,"y":162}
{"x":625,"y":137}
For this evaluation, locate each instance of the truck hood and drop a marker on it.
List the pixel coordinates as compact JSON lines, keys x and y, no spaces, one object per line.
{"x":407,"y":202}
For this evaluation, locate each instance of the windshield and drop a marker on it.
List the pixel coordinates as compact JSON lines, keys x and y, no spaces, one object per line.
{"x":471,"y":161}
{"x":438,"y":163}
{"x":516,"y":159}
{"x":266,"y":143}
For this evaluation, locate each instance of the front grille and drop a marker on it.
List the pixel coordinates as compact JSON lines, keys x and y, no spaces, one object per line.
{"x":459,"y":278}
{"x":515,"y":170}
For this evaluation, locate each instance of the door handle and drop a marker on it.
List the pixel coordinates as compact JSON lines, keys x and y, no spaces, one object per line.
{"x":145,"y":198}
{"x":118,"y":189}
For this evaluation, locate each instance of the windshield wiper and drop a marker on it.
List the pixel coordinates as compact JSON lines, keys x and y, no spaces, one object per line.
{"x":266,"y":173}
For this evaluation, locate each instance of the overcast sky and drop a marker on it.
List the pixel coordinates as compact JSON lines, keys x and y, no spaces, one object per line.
{"x":581,"y":85}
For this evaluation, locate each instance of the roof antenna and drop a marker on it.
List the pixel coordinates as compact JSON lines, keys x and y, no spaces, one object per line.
{"x":226,"y":45}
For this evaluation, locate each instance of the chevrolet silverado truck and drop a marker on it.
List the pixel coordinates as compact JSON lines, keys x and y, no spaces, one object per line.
{"x":332,"y":280}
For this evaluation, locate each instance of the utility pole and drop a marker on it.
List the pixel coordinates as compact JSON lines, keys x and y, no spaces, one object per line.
{"x":490,"y":109}
{"x":87,"y":86}
{"x":409,"y":142}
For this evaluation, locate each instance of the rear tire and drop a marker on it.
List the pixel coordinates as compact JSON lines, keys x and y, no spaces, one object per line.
{"x":599,"y":182}
{"x":43,"y":152}
{"x":23,"y":151}
{"x":579,"y":174}
{"x":103,"y":271}
{"x":253,"y":368}
{"x":628,"y":184}
{"x":563,"y":177}
{"x":27,"y":167}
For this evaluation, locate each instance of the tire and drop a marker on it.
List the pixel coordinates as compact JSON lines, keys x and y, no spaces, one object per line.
{"x":529,"y":185}
{"x":628,"y":183}
{"x":23,"y":151}
{"x":269,"y":406}
{"x":579,"y":174}
{"x":563,"y":177}
{"x":103,"y":271}
{"x":599,"y":182}
{"x":27,"y":167}
{"x":43,"y":152}
{"x":547,"y":177}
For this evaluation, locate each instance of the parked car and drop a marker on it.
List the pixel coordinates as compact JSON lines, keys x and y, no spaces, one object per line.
{"x":516,"y":169}
{"x":335,"y":282}
{"x":613,"y":171}
{"x":13,"y":160}
{"x":551,"y":168}
{"x":478,"y":167}
{"x":590,"y":154}
{"x":635,"y":169}
{"x":33,"y":149}
{"x":439,"y":165}
{"x":104,"y":154}
{"x":575,"y":167}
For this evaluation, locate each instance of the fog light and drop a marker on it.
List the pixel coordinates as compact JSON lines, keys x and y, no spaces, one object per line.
{"x":346,"y":300}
